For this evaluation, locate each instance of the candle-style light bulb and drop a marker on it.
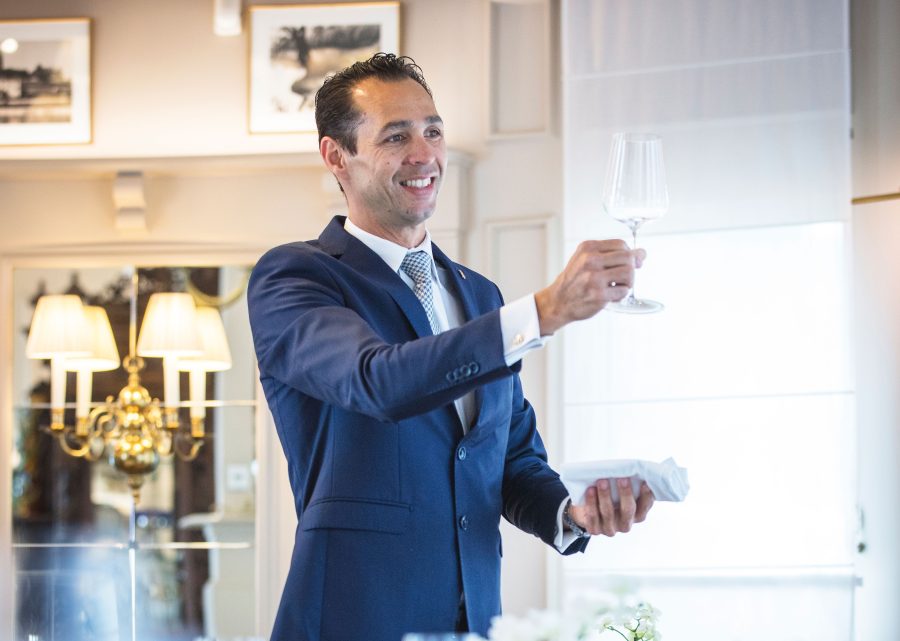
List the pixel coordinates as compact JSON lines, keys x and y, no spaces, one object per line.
{"x":214,"y":357}
{"x":104,"y":356}
{"x":169,"y":331}
{"x":58,"y":331}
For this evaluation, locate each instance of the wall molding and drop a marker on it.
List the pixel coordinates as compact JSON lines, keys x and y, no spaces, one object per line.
{"x":508,"y":63}
{"x":542,"y":377}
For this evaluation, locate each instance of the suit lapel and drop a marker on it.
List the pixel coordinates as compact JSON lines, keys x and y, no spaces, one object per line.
{"x":353,"y":253}
{"x":458,"y":282}
{"x":462,"y":289}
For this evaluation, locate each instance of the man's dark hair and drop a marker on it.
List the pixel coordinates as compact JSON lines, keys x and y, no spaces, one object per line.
{"x":336,"y":114}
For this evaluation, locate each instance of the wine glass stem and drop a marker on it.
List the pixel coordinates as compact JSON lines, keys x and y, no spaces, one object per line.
{"x":634,"y":230}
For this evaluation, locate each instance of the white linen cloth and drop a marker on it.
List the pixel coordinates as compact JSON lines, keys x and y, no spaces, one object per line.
{"x":666,"y":480}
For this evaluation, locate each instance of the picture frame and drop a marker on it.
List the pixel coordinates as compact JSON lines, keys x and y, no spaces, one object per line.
{"x":45,"y":82}
{"x":293,"y":48}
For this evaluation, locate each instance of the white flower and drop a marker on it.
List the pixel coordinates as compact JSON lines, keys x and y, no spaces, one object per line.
{"x":507,"y":628}
{"x":588,"y":618}
{"x":546,"y":624}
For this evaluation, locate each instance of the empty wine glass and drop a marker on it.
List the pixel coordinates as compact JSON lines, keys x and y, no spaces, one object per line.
{"x":635,"y":192}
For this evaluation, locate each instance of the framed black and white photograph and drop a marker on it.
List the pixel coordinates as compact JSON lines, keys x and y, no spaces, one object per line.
{"x":45,"y":82}
{"x":293,"y":48}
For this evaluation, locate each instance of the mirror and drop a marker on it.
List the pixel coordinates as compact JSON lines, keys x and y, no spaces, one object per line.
{"x":80,"y":546}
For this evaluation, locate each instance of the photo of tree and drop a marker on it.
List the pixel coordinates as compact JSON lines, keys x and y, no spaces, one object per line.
{"x":294,"y":48}
{"x":310,"y":55}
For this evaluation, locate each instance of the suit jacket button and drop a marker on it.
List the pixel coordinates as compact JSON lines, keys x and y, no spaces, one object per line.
{"x":474,"y":367}
{"x":464,"y":522}
{"x":461,"y":454}
{"x":451,"y":377}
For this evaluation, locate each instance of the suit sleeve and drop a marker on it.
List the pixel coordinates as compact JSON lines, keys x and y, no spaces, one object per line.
{"x":532,"y":490}
{"x":307,"y":337}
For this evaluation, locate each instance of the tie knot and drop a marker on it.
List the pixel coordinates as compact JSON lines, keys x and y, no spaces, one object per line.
{"x":417,"y":265}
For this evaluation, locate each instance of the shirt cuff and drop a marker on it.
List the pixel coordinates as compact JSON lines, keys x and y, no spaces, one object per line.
{"x":520,"y":329}
{"x":564,"y":538}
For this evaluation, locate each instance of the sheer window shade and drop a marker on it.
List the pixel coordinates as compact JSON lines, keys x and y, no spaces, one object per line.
{"x":751,"y":97}
{"x":745,"y":377}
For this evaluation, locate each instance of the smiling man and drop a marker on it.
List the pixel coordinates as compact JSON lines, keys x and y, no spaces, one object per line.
{"x":392,"y":375}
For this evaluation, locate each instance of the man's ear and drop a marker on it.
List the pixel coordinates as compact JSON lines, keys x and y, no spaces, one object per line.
{"x":333,"y":154}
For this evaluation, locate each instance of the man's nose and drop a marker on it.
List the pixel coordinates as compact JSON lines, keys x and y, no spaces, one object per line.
{"x":420,"y":151}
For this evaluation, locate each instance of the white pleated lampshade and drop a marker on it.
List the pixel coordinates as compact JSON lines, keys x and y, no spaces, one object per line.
{"x":104,"y":353}
{"x":58,"y":328}
{"x":170,"y":327}
{"x":215,"y":356}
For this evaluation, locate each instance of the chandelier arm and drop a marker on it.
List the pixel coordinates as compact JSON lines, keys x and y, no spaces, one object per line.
{"x":98,"y":417}
{"x":218,"y":302}
{"x":165,"y":445}
{"x":195,"y":445}
{"x":78,"y":451}
{"x":93,"y":454}
{"x":103,"y":419}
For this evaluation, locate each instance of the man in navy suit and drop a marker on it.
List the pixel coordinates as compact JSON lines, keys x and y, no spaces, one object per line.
{"x":391,"y":373}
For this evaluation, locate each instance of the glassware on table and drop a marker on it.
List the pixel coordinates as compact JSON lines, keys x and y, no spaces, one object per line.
{"x":635,"y":192}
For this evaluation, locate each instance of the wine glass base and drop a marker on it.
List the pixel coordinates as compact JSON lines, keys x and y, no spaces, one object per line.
{"x":636,"y":306}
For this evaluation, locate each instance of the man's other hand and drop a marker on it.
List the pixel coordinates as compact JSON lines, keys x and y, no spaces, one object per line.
{"x":599,"y":272}
{"x":599,"y":515}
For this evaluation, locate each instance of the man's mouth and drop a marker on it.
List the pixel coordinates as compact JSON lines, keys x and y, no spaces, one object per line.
{"x":417,"y":183}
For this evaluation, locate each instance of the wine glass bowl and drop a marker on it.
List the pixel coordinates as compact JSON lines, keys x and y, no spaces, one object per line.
{"x":635,"y":192}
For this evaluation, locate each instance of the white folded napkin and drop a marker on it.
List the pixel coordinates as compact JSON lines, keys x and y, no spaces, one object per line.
{"x":666,"y":480}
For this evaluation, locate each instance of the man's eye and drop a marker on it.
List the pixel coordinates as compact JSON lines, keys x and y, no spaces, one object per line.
{"x":434,"y":133}
{"x":395,"y":138}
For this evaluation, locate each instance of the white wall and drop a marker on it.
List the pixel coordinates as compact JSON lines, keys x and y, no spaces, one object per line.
{"x":517,"y":201}
{"x":164,"y":85}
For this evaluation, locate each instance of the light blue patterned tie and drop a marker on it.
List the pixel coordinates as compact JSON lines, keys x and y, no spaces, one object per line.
{"x":417,"y":266}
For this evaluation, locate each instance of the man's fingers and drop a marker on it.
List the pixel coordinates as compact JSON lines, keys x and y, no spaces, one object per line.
{"x":599,"y":515}
{"x":639,"y":257}
{"x":590,"y":515}
{"x":607,"y":510}
{"x":600,"y":271}
{"x":612,"y":259}
{"x":644,"y":503}
{"x":626,"y":511}
{"x":618,"y":277}
{"x":614,"y":293}
{"x":601,"y":246}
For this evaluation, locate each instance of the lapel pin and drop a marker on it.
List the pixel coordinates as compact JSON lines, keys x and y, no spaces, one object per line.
{"x":461,"y":273}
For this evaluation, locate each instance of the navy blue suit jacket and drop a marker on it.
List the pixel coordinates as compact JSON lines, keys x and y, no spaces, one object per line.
{"x":398,"y":511}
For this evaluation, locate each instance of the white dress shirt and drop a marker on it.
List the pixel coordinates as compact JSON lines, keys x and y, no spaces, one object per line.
{"x":519,"y":325}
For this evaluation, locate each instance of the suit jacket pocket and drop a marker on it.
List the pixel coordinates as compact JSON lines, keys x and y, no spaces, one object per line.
{"x":356,"y":514}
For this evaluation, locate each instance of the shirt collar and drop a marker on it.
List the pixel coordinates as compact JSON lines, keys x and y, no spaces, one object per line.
{"x":390,"y":252}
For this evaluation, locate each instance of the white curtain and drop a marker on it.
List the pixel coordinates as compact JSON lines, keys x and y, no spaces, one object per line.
{"x":746,"y":376}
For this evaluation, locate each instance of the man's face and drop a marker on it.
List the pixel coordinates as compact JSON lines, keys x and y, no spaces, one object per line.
{"x":393,"y":180}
